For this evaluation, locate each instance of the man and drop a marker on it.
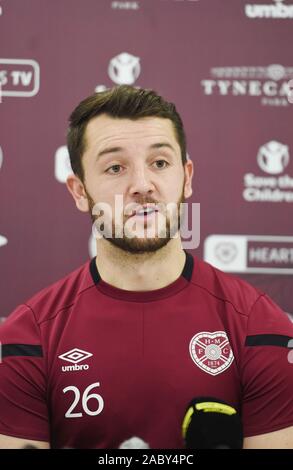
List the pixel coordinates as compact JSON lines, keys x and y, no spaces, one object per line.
{"x":118,"y":348}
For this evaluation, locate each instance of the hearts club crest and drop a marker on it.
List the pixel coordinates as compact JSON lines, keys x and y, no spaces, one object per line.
{"x":211,"y":352}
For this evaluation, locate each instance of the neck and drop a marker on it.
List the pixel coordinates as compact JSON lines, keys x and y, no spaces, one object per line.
{"x":140,"y":272}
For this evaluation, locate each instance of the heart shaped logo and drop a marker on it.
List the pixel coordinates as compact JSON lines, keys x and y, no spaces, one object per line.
{"x":211,"y":352}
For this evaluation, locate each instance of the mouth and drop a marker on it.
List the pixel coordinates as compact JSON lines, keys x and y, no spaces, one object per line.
{"x":145,"y":211}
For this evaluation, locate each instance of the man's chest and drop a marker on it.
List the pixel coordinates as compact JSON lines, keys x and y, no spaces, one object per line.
{"x":135,"y":375}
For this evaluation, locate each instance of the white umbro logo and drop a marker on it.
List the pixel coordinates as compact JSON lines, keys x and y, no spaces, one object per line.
{"x":75,"y":356}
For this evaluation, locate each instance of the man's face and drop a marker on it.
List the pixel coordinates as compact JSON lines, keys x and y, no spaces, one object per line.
{"x":141,"y":162}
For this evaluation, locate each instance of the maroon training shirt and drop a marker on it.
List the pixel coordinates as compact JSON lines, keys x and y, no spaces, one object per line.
{"x":88,"y":365}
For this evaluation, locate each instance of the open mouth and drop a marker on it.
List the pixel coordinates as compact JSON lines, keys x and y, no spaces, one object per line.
{"x":145,"y":211}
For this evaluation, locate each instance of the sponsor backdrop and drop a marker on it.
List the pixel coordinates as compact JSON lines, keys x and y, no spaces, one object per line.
{"x":227,"y":65}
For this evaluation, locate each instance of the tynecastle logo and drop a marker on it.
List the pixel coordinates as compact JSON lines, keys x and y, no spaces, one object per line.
{"x":269,"y":83}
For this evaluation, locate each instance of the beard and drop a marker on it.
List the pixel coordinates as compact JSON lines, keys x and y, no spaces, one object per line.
{"x":141,"y":244}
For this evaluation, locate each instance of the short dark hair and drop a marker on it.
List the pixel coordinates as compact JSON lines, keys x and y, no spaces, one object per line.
{"x":122,"y":101}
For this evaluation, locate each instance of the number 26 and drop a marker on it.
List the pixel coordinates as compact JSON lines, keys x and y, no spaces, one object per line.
{"x":85,"y":398}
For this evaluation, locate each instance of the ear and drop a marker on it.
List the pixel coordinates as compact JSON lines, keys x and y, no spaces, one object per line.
{"x":77,"y":191}
{"x":188,"y":173}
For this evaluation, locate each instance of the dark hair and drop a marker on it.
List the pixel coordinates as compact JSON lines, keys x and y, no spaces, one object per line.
{"x":122,"y":101}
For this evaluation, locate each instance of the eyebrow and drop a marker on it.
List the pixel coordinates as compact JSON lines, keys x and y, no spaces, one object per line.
{"x":119,"y":149}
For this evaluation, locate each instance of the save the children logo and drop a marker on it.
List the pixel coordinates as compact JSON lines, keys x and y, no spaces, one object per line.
{"x":123,"y":69}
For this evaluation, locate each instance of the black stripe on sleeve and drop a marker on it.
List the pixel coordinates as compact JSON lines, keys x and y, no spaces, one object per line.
{"x":269,"y":340}
{"x":33,"y":350}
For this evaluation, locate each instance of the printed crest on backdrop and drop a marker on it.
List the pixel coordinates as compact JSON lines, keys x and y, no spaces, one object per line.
{"x":3,"y":240}
{"x":211,"y":352}
{"x":273,"y":158}
{"x":62,"y":167}
{"x":19,"y":77}
{"x":226,"y":251}
{"x":268,"y":83}
{"x":267,"y":254}
{"x":123,"y":69}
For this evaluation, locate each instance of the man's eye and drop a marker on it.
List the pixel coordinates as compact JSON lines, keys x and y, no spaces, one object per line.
{"x":114,"y":169}
{"x":161,"y":164}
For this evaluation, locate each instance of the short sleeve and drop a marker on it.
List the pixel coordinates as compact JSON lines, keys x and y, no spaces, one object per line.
{"x":23,"y":404}
{"x":267,"y":371}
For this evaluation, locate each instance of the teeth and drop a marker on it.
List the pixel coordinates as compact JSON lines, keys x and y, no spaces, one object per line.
{"x":147,"y":210}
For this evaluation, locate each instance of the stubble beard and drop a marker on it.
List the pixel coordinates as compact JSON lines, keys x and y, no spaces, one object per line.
{"x":141,"y":245}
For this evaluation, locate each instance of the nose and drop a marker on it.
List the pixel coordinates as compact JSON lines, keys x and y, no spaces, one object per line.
{"x":141,"y":182}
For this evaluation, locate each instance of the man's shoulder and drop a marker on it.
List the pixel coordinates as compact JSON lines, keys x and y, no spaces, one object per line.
{"x":61,"y":294}
{"x":225,"y":287}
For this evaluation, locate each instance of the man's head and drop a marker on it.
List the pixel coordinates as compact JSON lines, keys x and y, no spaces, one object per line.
{"x":129,"y":142}
{"x":124,"y":102}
